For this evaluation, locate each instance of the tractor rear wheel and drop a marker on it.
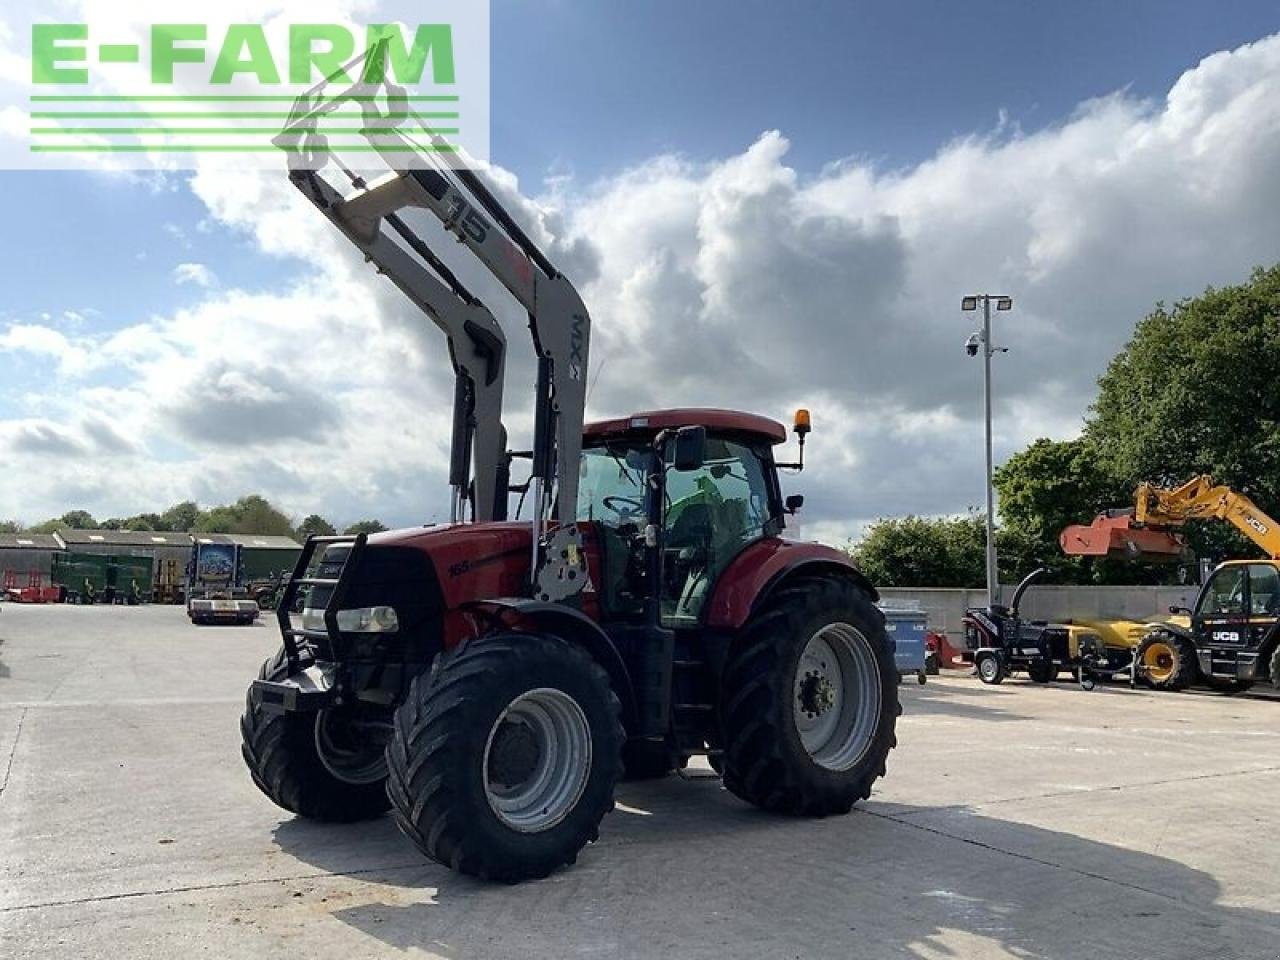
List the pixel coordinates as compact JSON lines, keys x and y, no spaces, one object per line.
{"x":809,"y":700}
{"x":324,"y":766}
{"x":1275,"y":668}
{"x":505,"y":756}
{"x":1167,"y":661}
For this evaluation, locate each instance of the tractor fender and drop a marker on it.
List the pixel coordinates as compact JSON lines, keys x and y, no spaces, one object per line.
{"x":759,"y":570}
{"x":575,"y":627}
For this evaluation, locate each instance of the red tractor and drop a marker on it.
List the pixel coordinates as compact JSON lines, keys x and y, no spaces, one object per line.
{"x":489,"y":680}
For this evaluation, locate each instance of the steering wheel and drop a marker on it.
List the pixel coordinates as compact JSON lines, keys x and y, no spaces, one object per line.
{"x":627,"y":508}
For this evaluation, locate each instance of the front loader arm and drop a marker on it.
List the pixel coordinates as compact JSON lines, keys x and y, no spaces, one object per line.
{"x":434,"y":176}
{"x":477,"y":345}
{"x":1200,"y":499}
{"x":558,"y":319}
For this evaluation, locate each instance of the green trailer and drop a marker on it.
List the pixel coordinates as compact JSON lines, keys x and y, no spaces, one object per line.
{"x":103,"y":577}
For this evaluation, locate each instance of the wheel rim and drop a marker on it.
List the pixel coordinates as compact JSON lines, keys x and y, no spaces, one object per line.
{"x":836,"y":696}
{"x":350,"y":748}
{"x":1159,"y":660}
{"x":987,"y":668}
{"x":537,"y":760}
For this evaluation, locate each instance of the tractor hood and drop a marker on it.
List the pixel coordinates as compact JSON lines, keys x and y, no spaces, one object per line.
{"x":470,"y":559}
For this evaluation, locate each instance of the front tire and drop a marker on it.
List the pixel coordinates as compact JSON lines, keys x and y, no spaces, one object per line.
{"x":505,"y":756}
{"x":991,"y":669}
{"x":283,"y":754}
{"x":809,"y":701}
{"x":1168,"y":661}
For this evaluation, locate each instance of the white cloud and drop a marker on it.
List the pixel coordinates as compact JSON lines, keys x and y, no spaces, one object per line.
{"x":194,"y":273}
{"x":732,"y":283}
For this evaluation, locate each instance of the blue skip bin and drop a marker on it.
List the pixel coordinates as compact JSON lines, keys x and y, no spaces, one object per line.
{"x":907,"y":629}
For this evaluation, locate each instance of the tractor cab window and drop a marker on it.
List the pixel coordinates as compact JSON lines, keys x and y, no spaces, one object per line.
{"x":1264,"y":590}
{"x":711,"y":514}
{"x":1225,"y":593}
{"x":611,"y":484}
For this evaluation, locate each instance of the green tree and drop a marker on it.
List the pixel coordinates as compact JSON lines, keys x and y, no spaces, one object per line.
{"x":181,"y":517}
{"x":1052,"y":484}
{"x":365,"y":526}
{"x":145,"y":521}
{"x":923,"y":551}
{"x":1195,"y":392}
{"x":78,"y":520}
{"x":314,"y":525}
{"x":251,"y":514}
{"x":10,"y":526}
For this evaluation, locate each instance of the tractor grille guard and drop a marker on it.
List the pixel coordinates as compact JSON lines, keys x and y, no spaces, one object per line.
{"x":326,"y":641}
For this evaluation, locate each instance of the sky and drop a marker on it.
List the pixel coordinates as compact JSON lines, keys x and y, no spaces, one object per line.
{"x":764,"y":206}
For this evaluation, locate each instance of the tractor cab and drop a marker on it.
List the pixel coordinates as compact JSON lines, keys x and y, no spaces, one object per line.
{"x":719,"y":490}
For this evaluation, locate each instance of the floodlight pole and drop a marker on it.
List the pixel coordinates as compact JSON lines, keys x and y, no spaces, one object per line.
{"x":970,"y":304}
{"x":993,"y":576}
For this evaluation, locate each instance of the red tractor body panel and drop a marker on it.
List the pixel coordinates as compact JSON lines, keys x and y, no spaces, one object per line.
{"x":757,"y":568}
{"x":481,"y":561}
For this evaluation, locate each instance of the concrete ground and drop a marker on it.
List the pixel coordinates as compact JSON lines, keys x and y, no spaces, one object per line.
{"x":1016,"y":821}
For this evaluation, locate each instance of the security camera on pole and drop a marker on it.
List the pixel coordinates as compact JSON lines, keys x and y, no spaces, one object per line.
{"x":982,"y":340}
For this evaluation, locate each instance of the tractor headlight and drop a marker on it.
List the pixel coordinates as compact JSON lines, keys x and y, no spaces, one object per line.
{"x":360,"y":620}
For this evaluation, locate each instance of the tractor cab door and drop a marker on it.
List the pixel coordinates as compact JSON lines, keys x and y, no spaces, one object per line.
{"x":611,"y":489}
{"x":712,"y":514}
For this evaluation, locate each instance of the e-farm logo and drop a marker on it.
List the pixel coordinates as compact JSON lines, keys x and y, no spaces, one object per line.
{"x":315,"y":52}
{"x":163,"y":92}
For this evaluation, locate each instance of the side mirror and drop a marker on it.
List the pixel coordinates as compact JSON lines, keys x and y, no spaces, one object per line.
{"x":691,"y":449}
{"x":794,"y":502}
{"x":1177,"y":609}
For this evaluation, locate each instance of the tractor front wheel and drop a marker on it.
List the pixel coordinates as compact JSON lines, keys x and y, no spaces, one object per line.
{"x":505,"y":756}
{"x":1167,"y":661}
{"x":809,"y":701}
{"x":324,"y":766}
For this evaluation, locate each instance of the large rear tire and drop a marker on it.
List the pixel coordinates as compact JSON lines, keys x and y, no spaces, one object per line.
{"x":505,"y":756}
{"x":1275,"y":668}
{"x":809,"y":700}
{"x":320,"y":766}
{"x":1168,"y":661}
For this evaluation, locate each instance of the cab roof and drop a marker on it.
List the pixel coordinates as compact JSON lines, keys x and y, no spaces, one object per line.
{"x":723,"y":421}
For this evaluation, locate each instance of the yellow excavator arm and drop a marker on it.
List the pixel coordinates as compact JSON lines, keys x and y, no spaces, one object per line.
{"x":1201,"y":499}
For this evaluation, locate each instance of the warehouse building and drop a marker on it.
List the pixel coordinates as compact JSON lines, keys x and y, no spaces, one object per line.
{"x":158,"y":545}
